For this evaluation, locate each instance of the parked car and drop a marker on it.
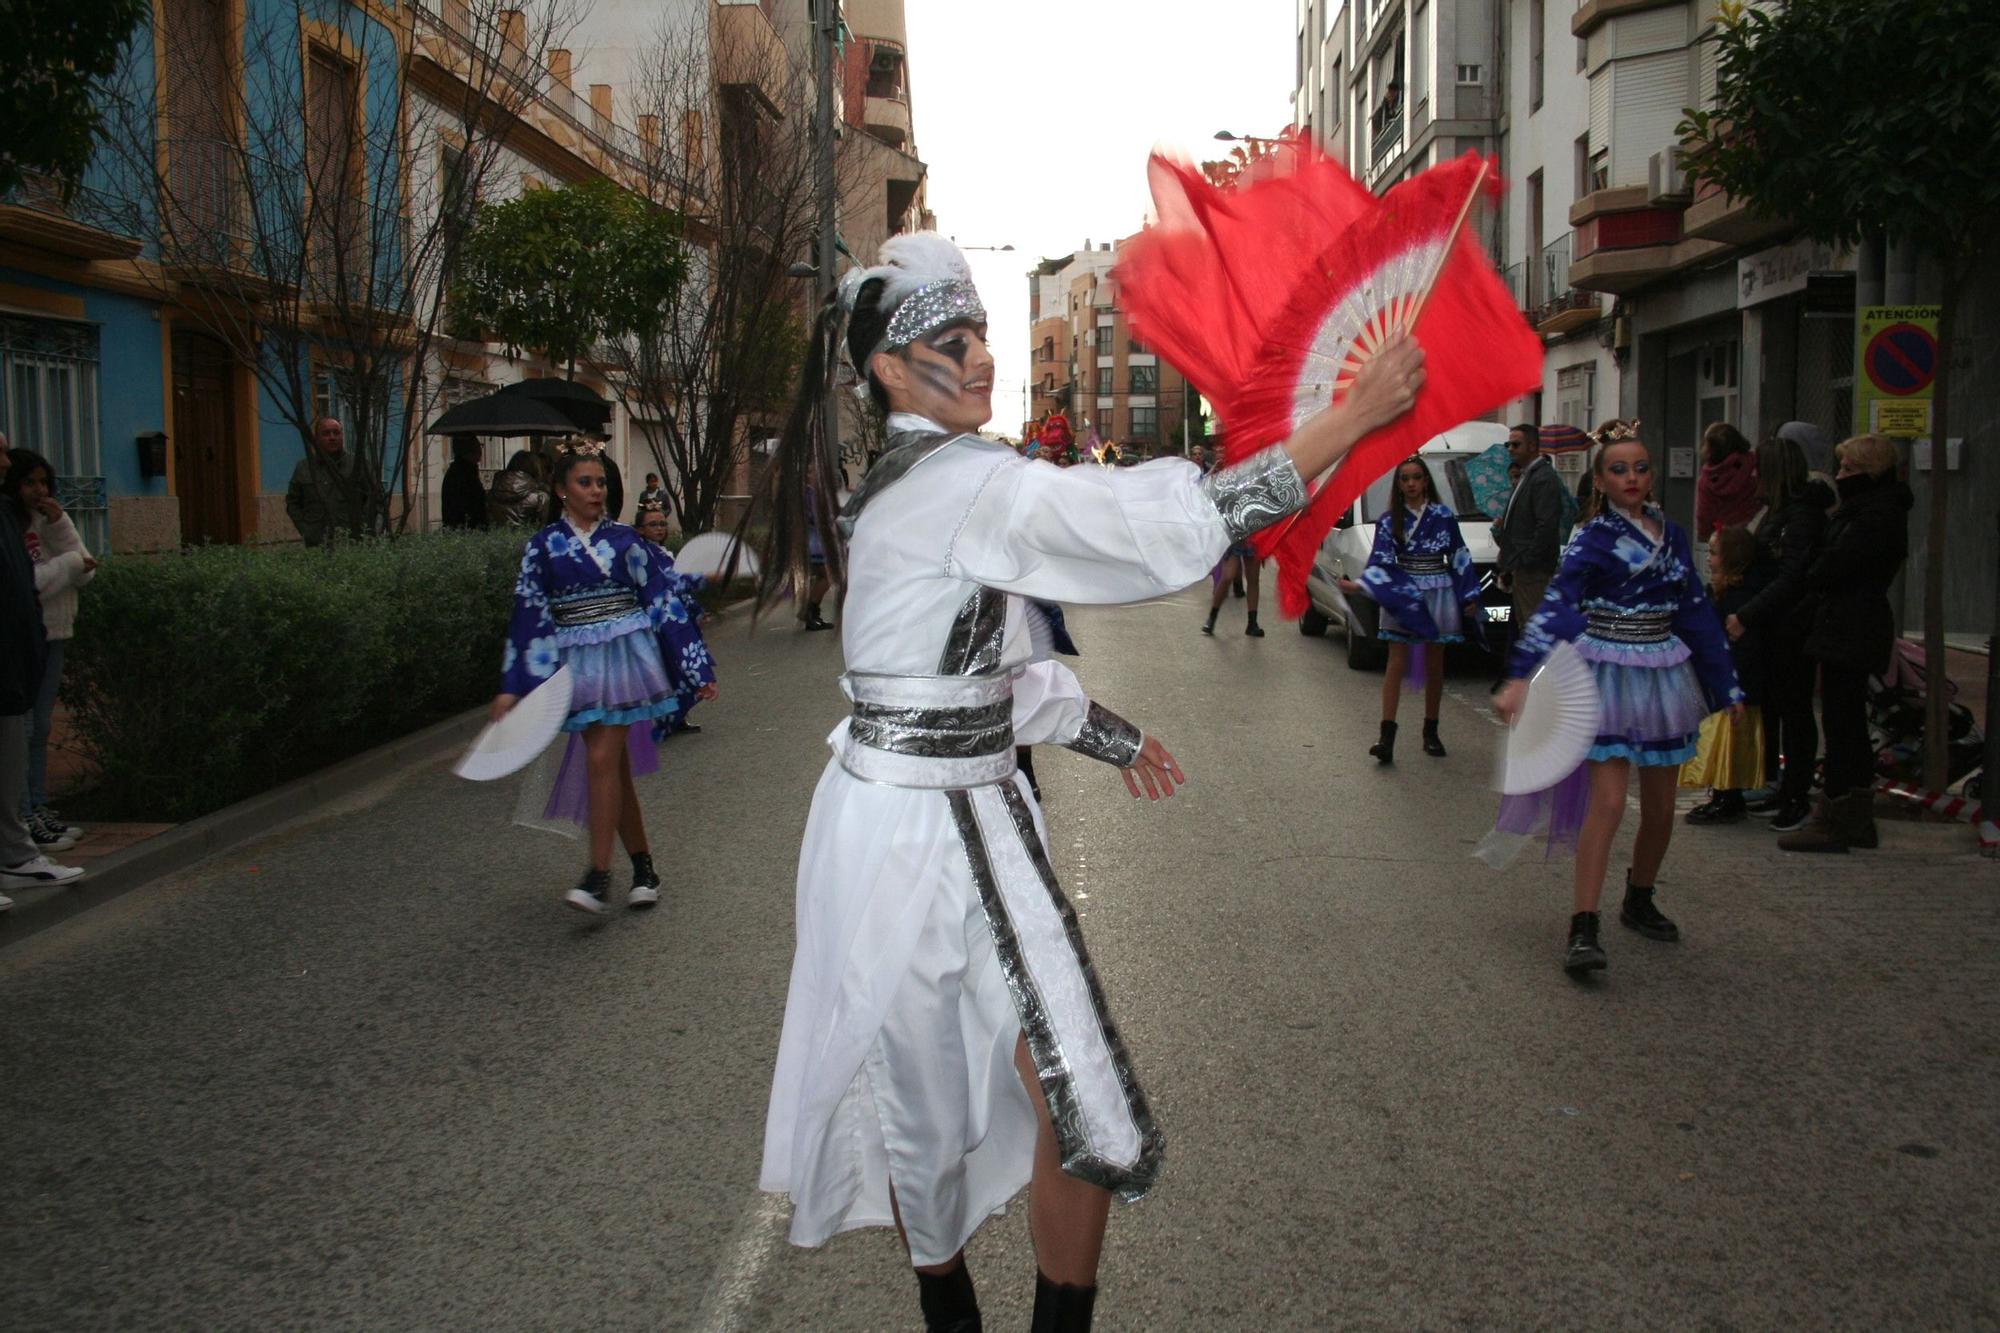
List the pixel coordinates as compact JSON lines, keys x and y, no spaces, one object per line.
{"x":1345,"y":552}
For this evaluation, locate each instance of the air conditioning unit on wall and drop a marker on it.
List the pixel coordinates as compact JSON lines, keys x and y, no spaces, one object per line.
{"x":1666,"y":180}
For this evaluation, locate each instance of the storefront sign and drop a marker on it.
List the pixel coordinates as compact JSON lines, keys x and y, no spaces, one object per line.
{"x":1895,"y":364}
{"x":1783,"y":270}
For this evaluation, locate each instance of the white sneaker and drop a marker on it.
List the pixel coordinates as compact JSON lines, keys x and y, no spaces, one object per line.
{"x":5,"y":902}
{"x":54,"y":821}
{"x":50,"y":836}
{"x":37,"y":871}
{"x":584,"y":902}
{"x":642,"y":895}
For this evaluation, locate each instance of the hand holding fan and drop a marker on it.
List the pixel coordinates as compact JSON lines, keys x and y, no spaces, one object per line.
{"x":1555,"y":728}
{"x":512,"y":743}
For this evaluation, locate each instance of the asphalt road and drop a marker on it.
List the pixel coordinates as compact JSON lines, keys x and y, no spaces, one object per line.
{"x":368,"y":1075}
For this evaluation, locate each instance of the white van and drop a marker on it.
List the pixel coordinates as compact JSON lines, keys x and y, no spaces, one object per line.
{"x":1345,"y":552}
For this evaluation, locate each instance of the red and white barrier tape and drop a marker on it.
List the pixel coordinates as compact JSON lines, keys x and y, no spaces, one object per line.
{"x":1952,"y":807}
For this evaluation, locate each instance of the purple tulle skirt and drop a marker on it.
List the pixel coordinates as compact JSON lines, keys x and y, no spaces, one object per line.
{"x":1442,"y":603}
{"x":1652,"y":709}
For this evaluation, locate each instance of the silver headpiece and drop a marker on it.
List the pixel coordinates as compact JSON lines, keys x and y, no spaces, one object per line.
{"x":926,"y":284}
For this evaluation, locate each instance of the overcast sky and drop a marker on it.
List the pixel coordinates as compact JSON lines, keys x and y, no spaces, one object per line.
{"x":1036,"y":117}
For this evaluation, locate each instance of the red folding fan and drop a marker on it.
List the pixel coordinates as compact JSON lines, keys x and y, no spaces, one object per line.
{"x":1288,"y":327}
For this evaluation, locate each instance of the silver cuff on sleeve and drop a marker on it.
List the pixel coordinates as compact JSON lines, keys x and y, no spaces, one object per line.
{"x":1256,"y":492}
{"x":1108,"y":737}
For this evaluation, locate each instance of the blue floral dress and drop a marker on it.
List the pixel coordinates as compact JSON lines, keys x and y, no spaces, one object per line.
{"x":608,"y":607}
{"x":1638,"y":614}
{"x":1423,"y":585}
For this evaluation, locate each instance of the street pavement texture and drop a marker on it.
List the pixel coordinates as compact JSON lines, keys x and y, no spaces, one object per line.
{"x":367,"y":1074}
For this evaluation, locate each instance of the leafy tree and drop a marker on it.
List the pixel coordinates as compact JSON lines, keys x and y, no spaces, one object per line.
{"x":1851,"y":117}
{"x":565,"y":271}
{"x":57,"y":56}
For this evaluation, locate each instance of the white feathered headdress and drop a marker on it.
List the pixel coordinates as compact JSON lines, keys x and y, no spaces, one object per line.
{"x":926,"y":284}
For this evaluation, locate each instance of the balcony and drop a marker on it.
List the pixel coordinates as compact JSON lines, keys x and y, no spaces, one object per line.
{"x":90,"y":224}
{"x":888,"y":119}
{"x":1623,"y":241}
{"x":1385,"y":131}
{"x":749,"y":54}
{"x":1717,"y":216}
{"x":1564,"y":308}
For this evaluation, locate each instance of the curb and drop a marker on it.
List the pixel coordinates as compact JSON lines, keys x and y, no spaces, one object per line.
{"x":232,"y":827}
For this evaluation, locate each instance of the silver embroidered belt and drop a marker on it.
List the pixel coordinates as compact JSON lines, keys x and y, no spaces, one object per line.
{"x":934,"y":732}
{"x":594,"y":608}
{"x":1647,"y":627}
{"x":1423,"y":564}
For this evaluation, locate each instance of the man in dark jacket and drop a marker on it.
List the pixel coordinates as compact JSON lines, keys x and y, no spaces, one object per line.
{"x":23,"y":647}
{"x":331,"y":494}
{"x":1529,"y":532}
{"x":464,"y":495}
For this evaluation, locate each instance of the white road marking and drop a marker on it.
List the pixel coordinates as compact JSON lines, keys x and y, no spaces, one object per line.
{"x":726,"y":1308}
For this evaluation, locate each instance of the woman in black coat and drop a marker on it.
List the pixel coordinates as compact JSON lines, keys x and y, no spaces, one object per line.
{"x":1774,"y":622}
{"x":1853,"y":631}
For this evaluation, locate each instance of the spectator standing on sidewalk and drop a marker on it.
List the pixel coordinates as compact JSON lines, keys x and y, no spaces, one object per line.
{"x":62,"y":566}
{"x":331,"y":495}
{"x":518,"y":498}
{"x":1853,"y":630}
{"x":464,"y":496}
{"x":1529,"y":532}
{"x":1725,"y":495}
{"x":654,"y":495}
{"x":23,"y":865}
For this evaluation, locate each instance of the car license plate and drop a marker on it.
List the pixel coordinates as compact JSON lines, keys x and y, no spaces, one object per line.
{"x":1500,"y":613}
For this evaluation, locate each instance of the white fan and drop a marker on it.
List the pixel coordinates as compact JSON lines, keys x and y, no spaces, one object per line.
{"x":1556,"y":727}
{"x":709,"y":555}
{"x":512,"y":743}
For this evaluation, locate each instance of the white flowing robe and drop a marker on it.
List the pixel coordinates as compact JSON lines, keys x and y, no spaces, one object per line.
{"x":930,"y":928}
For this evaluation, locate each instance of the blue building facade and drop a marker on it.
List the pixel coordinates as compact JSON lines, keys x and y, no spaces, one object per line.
{"x":118,"y":360}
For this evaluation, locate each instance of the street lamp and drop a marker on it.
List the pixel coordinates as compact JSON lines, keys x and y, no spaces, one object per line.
{"x":1230,"y":136}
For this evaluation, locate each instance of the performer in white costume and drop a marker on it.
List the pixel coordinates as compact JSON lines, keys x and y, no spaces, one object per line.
{"x":946,"y":1039}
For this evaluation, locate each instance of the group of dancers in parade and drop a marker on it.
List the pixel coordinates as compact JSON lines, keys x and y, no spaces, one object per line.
{"x":946,"y":1041}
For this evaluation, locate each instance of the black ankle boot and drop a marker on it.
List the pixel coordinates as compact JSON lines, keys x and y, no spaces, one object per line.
{"x":1061,"y":1308}
{"x":949,"y":1302}
{"x":813,"y":620}
{"x":1432,"y":745}
{"x":645,"y":882}
{"x":1639,"y":914}
{"x":1384,"y":750}
{"x":1253,"y":629}
{"x":1584,"y":954}
{"x":1208,"y":627}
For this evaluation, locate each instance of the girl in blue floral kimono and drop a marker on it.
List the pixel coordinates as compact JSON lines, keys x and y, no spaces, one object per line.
{"x":1421,"y":575}
{"x":1628,"y":597}
{"x":596,"y":597}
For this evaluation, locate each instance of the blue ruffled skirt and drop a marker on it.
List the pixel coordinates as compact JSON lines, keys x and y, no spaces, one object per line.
{"x":1442,"y":602}
{"x":618,"y":676}
{"x":1651,"y":700}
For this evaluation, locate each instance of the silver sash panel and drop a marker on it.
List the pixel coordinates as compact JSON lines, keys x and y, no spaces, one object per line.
{"x":1642,"y":627}
{"x":593,"y":607}
{"x":1423,"y":564}
{"x":1104,"y":1129}
{"x":930,"y":732}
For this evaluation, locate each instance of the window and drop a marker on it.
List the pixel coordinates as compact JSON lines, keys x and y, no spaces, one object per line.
{"x":1582,"y":54}
{"x":1145,"y":379}
{"x":1580,"y":155}
{"x":1104,"y":337}
{"x":1333,"y":101}
{"x":1104,"y":381}
{"x":1537,"y":20}
{"x":1576,"y":395}
{"x":1420,"y":55}
{"x":200,"y":187}
{"x":1471,"y":75}
{"x":1146,"y":423}
{"x":1533,"y":256}
{"x":48,"y":402}
{"x":885,"y":72}
{"x":334,"y":217}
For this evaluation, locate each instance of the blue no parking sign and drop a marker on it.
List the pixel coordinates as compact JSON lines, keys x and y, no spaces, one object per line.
{"x":1901,"y":359}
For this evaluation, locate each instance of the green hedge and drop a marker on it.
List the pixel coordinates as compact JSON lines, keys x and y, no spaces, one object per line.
{"x":198,"y":679}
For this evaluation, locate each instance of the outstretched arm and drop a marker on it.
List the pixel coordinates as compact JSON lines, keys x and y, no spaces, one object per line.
{"x":1051,"y":708}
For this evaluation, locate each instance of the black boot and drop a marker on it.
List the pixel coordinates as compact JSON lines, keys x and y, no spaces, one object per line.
{"x":813,"y":620}
{"x":1723,"y":807}
{"x":1253,"y":629}
{"x":1208,"y":627}
{"x":1639,"y":914}
{"x":1061,"y":1308}
{"x":1584,"y":953}
{"x":1384,"y":750}
{"x":1432,"y":745}
{"x":645,"y":882}
{"x":950,"y":1304}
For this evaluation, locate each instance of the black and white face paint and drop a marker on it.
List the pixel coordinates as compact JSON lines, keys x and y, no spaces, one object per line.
{"x":949,"y":377}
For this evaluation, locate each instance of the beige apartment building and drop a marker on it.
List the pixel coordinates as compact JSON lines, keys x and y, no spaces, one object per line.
{"x":1084,"y":362}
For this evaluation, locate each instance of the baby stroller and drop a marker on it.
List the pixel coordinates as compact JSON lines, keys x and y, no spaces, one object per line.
{"x":1896,"y":702}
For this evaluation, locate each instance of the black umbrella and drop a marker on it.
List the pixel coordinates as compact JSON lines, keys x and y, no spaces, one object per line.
{"x":503,"y":415}
{"x":586,"y":409}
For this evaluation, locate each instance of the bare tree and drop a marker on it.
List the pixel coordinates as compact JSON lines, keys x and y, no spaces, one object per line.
{"x":728,"y":108}
{"x":311,"y":172}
